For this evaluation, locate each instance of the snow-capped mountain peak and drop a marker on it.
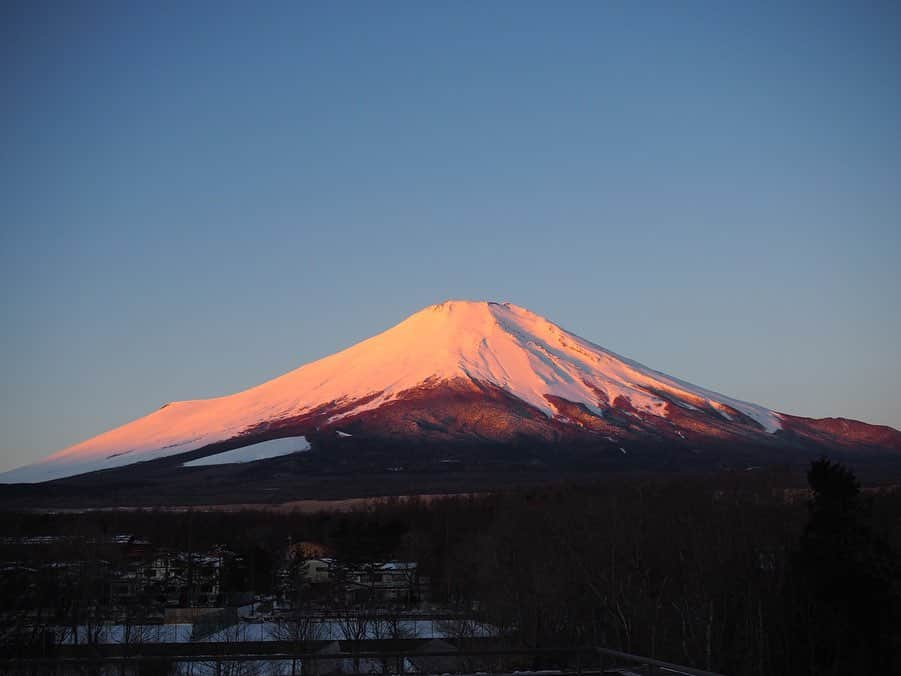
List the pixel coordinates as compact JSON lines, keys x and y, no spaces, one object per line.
{"x":485,"y":344}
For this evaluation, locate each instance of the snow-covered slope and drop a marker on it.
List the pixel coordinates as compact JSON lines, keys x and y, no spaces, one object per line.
{"x":493,"y":344}
{"x":253,"y":452}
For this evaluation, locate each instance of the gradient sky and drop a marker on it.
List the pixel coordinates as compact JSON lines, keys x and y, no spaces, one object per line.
{"x":196,"y":197}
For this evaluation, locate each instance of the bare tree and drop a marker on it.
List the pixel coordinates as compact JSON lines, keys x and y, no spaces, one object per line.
{"x":234,"y":633}
{"x":389,"y":624}
{"x":297,"y":629}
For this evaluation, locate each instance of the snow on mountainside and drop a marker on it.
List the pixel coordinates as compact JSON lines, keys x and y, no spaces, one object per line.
{"x":252,"y":452}
{"x":493,"y":344}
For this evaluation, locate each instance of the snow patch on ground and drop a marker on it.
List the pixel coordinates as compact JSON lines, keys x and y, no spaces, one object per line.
{"x":261,"y":451}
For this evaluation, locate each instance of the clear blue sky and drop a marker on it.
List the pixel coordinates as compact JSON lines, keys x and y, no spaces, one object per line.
{"x":196,"y":197}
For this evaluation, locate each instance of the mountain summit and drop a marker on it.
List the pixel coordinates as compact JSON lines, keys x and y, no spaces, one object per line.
{"x":456,"y":374}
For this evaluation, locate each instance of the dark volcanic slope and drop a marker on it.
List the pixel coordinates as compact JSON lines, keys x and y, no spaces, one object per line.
{"x":459,"y":438}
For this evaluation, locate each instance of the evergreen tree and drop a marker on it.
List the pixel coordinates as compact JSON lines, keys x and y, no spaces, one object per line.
{"x":846,"y":582}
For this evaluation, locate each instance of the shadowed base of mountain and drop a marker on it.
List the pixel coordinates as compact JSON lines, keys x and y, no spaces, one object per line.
{"x":341,"y":468}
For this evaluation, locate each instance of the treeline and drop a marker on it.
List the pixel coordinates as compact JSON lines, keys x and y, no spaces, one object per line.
{"x":741,"y":573}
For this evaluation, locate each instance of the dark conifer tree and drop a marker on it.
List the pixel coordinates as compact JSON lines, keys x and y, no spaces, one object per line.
{"x":846,"y":597}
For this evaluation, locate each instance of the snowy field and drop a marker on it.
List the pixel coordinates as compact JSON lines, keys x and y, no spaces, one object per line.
{"x":326,"y":630}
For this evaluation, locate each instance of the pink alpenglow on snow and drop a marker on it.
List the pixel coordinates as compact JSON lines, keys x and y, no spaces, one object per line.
{"x":494,"y":344}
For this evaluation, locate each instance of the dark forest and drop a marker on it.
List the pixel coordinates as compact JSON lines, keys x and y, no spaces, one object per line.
{"x":748,"y":573}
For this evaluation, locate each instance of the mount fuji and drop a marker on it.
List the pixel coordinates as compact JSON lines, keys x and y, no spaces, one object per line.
{"x":458,"y":384}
